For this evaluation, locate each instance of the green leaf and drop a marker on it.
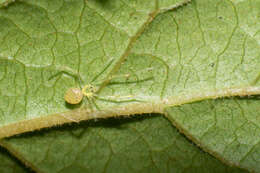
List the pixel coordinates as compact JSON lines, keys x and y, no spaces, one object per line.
{"x":140,"y":56}
{"x":139,"y":144}
{"x":4,"y":3}
{"x":8,"y":164}
{"x":227,"y":128}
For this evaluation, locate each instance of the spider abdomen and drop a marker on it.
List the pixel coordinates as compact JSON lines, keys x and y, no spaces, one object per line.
{"x":73,"y":96}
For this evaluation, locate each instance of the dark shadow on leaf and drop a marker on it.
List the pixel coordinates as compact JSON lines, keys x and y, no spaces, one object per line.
{"x":6,"y":153}
{"x":71,"y":106}
{"x":104,"y":3}
{"x":254,"y":97}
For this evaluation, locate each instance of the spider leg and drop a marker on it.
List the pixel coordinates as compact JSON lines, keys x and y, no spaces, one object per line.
{"x":95,"y":104}
{"x":68,"y":72}
{"x":120,"y":99}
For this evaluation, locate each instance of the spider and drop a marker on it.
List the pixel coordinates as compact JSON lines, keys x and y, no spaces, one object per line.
{"x":75,"y":95}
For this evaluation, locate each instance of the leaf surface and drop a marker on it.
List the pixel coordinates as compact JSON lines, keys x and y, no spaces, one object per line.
{"x":139,"y":144}
{"x":227,"y":128}
{"x":4,"y":3}
{"x":8,"y":164}
{"x":139,"y":56}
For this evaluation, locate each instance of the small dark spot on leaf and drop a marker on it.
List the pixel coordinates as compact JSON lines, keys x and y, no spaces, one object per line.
{"x":77,"y":132}
{"x":212,"y":64}
{"x":220,"y":17}
{"x":104,"y":3}
{"x":212,"y":107}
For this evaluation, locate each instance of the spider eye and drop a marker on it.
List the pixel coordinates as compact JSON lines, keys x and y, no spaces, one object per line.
{"x":73,"y":96}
